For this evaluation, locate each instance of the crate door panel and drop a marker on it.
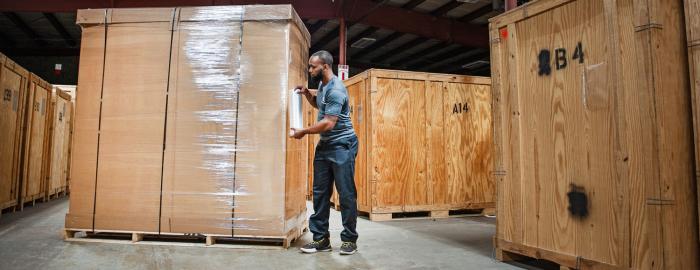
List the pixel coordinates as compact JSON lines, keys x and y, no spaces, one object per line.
{"x":59,"y":153}
{"x":436,"y":144}
{"x":693,"y":40}
{"x":468,"y":143}
{"x":566,"y":128}
{"x":296,"y":168}
{"x":40,"y":106}
{"x":260,"y":162}
{"x":68,"y":122}
{"x":672,"y":108}
{"x":132,"y":123}
{"x":398,"y":160}
{"x":199,"y":152}
{"x":83,"y":165}
{"x":10,"y":83}
{"x":356,"y":94}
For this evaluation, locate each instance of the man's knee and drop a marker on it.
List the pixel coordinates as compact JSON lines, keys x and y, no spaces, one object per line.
{"x":322,"y":192}
{"x":347,"y":197}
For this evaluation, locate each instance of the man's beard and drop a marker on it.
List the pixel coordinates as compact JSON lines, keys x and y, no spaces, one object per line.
{"x":314,"y":81}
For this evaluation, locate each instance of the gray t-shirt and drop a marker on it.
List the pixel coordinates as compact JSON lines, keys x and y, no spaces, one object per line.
{"x":332,"y":99}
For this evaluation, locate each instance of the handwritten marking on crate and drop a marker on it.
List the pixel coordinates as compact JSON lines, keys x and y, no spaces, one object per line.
{"x":544,"y":59}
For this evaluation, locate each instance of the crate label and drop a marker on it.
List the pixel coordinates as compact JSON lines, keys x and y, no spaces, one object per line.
{"x":504,"y":33}
{"x":560,"y":58}
{"x":15,"y":101}
{"x":596,"y":95}
{"x":460,"y":108}
{"x":359,"y":114}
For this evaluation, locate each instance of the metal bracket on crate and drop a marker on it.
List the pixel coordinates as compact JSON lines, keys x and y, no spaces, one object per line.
{"x":653,"y":201}
{"x":648,"y":26}
{"x":499,"y":173}
{"x":694,"y":43}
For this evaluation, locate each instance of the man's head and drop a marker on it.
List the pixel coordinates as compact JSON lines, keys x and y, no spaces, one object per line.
{"x":319,"y":63}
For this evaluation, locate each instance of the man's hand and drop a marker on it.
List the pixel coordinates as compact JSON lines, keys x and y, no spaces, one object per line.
{"x":302,"y":90}
{"x":296,"y":133}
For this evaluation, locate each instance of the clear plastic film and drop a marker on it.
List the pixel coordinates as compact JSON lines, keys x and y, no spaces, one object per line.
{"x":227,"y":166}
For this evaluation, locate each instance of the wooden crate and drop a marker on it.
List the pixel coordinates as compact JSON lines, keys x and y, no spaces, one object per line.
{"x":71,"y":91}
{"x":58,"y":143}
{"x":692,"y":28}
{"x":424,"y":142}
{"x":593,"y":135}
{"x":68,"y":89}
{"x":180,"y":124}
{"x":13,"y":84}
{"x":35,"y":146}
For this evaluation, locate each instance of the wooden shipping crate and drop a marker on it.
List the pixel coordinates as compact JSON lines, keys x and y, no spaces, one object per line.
{"x":58,"y":143}
{"x":181,"y":128}
{"x":13,"y":84}
{"x":71,"y":91}
{"x":35,"y":146}
{"x":425,"y":142}
{"x":593,"y":135}
{"x":68,"y":89}
{"x":692,"y":28}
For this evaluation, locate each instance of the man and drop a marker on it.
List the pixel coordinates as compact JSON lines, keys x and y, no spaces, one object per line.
{"x":335,"y":156}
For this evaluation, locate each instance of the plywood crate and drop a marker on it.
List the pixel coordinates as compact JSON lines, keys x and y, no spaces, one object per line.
{"x":35,"y":146}
{"x":593,"y":135}
{"x":181,"y":122}
{"x":71,"y":90}
{"x":13,"y":84}
{"x":68,"y":89}
{"x":60,"y":117}
{"x":425,"y":142}
{"x":692,"y":28}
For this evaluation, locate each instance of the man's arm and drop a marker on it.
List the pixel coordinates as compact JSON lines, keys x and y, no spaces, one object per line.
{"x":311,"y":98}
{"x":309,"y":94}
{"x":326,"y":124}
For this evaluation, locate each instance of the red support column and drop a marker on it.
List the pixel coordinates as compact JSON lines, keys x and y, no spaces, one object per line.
{"x":511,"y":4}
{"x":342,"y":42}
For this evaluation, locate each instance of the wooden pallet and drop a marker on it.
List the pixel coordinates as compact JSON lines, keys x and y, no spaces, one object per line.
{"x":507,"y":251}
{"x":31,"y":200}
{"x":186,"y":240}
{"x":427,"y":214}
{"x":57,"y":193}
{"x":8,"y":207}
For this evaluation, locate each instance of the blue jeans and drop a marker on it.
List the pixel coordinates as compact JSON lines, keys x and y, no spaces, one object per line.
{"x":335,"y":161}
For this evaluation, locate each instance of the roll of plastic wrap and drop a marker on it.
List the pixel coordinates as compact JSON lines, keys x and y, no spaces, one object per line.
{"x":296,"y":116}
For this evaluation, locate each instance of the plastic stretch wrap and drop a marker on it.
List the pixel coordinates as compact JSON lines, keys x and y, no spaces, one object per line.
{"x":191,"y":127}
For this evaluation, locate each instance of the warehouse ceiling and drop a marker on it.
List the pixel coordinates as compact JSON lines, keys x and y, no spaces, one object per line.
{"x":407,"y":51}
{"x":446,"y":36}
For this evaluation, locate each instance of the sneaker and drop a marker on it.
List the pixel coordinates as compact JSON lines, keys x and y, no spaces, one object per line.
{"x":348,"y":248}
{"x":317,"y":246}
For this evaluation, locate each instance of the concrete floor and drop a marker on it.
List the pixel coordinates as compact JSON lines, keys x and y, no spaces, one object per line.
{"x":31,"y":240}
